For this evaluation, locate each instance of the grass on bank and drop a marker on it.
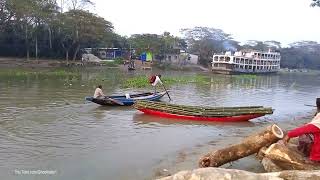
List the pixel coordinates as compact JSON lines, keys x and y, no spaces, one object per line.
{"x":25,"y":73}
{"x":143,"y":81}
{"x":245,"y":76}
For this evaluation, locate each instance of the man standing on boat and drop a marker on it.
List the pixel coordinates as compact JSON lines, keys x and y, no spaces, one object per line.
{"x":310,"y":145}
{"x":98,"y":92}
{"x":154,"y":80}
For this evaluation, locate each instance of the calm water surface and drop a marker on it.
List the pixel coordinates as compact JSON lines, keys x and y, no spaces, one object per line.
{"x":45,"y":123}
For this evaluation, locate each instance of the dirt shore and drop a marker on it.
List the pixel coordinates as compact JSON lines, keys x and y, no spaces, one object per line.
{"x":13,"y":62}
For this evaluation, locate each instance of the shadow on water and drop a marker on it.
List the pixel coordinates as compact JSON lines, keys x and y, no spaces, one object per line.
{"x":102,"y":112}
{"x":141,"y":119}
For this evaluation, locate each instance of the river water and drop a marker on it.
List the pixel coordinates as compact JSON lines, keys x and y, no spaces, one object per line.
{"x":45,"y":124}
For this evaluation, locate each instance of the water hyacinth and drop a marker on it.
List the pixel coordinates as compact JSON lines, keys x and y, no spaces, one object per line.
{"x":143,"y":81}
{"x":25,"y":73}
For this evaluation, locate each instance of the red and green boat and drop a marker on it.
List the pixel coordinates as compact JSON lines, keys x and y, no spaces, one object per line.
{"x":200,"y":113}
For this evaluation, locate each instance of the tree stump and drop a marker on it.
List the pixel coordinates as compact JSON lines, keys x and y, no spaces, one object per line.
{"x":280,"y":157}
{"x":249,"y":146}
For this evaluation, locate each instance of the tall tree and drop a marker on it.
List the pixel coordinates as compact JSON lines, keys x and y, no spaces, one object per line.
{"x":143,"y":42}
{"x":315,"y":3}
{"x":80,"y":27}
{"x":78,"y":4}
{"x":205,"y":41}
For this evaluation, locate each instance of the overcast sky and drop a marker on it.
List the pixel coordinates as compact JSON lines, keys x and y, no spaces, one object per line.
{"x":282,"y":20}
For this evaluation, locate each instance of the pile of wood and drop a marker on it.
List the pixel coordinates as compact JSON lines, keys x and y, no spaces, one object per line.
{"x":279,"y":157}
{"x":248,"y":146}
{"x":274,"y":155}
{"x":202,"y":111}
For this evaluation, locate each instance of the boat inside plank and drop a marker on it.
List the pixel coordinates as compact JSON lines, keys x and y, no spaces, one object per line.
{"x":202,"y":113}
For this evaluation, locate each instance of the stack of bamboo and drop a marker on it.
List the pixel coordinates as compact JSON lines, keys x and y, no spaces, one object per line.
{"x":201,"y":111}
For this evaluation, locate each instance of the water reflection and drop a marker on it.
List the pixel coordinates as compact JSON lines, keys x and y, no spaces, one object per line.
{"x":102,"y":112}
{"x":144,"y":119}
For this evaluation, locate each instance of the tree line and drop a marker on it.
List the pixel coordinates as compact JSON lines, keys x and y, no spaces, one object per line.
{"x":48,"y":29}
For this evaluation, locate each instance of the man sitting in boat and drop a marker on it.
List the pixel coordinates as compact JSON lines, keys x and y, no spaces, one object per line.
{"x":311,"y":134}
{"x":98,"y":92}
{"x":154,"y":80}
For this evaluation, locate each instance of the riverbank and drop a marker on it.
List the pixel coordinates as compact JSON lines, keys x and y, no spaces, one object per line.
{"x":187,"y":159}
{"x":13,"y":62}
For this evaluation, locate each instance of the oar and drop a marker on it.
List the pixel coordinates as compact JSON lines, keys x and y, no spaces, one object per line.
{"x":166,"y":91}
{"x":310,"y":105}
{"x":115,"y":101}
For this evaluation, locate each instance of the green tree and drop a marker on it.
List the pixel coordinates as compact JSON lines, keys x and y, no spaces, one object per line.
{"x":301,"y":54}
{"x":79,"y":28}
{"x":206,"y":41}
{"x":143,"y":42}
{"x":315,"y":3}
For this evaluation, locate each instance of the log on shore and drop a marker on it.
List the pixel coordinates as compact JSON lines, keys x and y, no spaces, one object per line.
{"x":219,"y":174}
{"x":270,"y":166}
{"x":248,"y":146}
{"x":234,"y":174}
{"x":280,"y":157}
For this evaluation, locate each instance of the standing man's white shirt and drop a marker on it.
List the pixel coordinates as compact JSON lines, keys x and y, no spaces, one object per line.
{"x":98,"y":93}
{"x":158,"y":80}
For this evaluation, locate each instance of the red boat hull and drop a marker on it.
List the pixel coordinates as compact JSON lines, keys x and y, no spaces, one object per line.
{"x":198,"y":118}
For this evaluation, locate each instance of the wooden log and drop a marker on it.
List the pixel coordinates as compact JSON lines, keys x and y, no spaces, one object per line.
{"x":287,"y":158}
{"x":269,"y":165}
{"x":234,"y":174}
{"x":248,"y":146}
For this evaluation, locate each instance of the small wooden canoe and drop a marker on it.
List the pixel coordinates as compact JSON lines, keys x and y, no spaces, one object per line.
{"x":197,"y":113}
{"x":126,"y":100}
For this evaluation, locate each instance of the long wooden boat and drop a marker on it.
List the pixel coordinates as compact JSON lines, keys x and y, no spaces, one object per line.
{"x":198,"y":113}
{"x":125,"y":100}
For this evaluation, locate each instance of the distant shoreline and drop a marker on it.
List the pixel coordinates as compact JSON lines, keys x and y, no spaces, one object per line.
{"x":15,"y":62}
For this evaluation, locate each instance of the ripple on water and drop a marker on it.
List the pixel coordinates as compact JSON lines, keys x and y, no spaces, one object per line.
{"x":47,"y":124}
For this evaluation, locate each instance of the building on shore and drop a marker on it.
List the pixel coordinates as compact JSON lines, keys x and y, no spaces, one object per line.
{"x":249,"y":61}
{"x":105,"y":53}
{"x":179,"y":56}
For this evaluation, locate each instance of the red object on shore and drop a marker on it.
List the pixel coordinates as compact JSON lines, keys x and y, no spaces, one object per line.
{"x":309,"y":129}
{"x":239,"y":118}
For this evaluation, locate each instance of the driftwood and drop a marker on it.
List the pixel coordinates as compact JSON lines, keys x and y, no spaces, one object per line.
{"x":280,"y":157}
{"x":248,"y":146}
{"x":233,"y":174}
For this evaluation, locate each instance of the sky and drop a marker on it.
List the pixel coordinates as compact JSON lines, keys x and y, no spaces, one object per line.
{"x":286,"y":21}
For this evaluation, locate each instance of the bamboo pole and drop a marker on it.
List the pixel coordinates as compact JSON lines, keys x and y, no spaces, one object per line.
{"x":146,"y":104}
{"x":195,"y":107}
{"x":190,"y":110}
{"x":178,"y":111}
{"x":206,"y":110}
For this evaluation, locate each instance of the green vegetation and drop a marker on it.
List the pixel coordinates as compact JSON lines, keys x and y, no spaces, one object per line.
{"x":110,"y":63}
{"x":143,"y":81}
{"x":245,"y":76}
{"x":119,"y":61}
{"x":40,"y":28}
{"x":47,"y":29}
{"x":26,"y":73}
